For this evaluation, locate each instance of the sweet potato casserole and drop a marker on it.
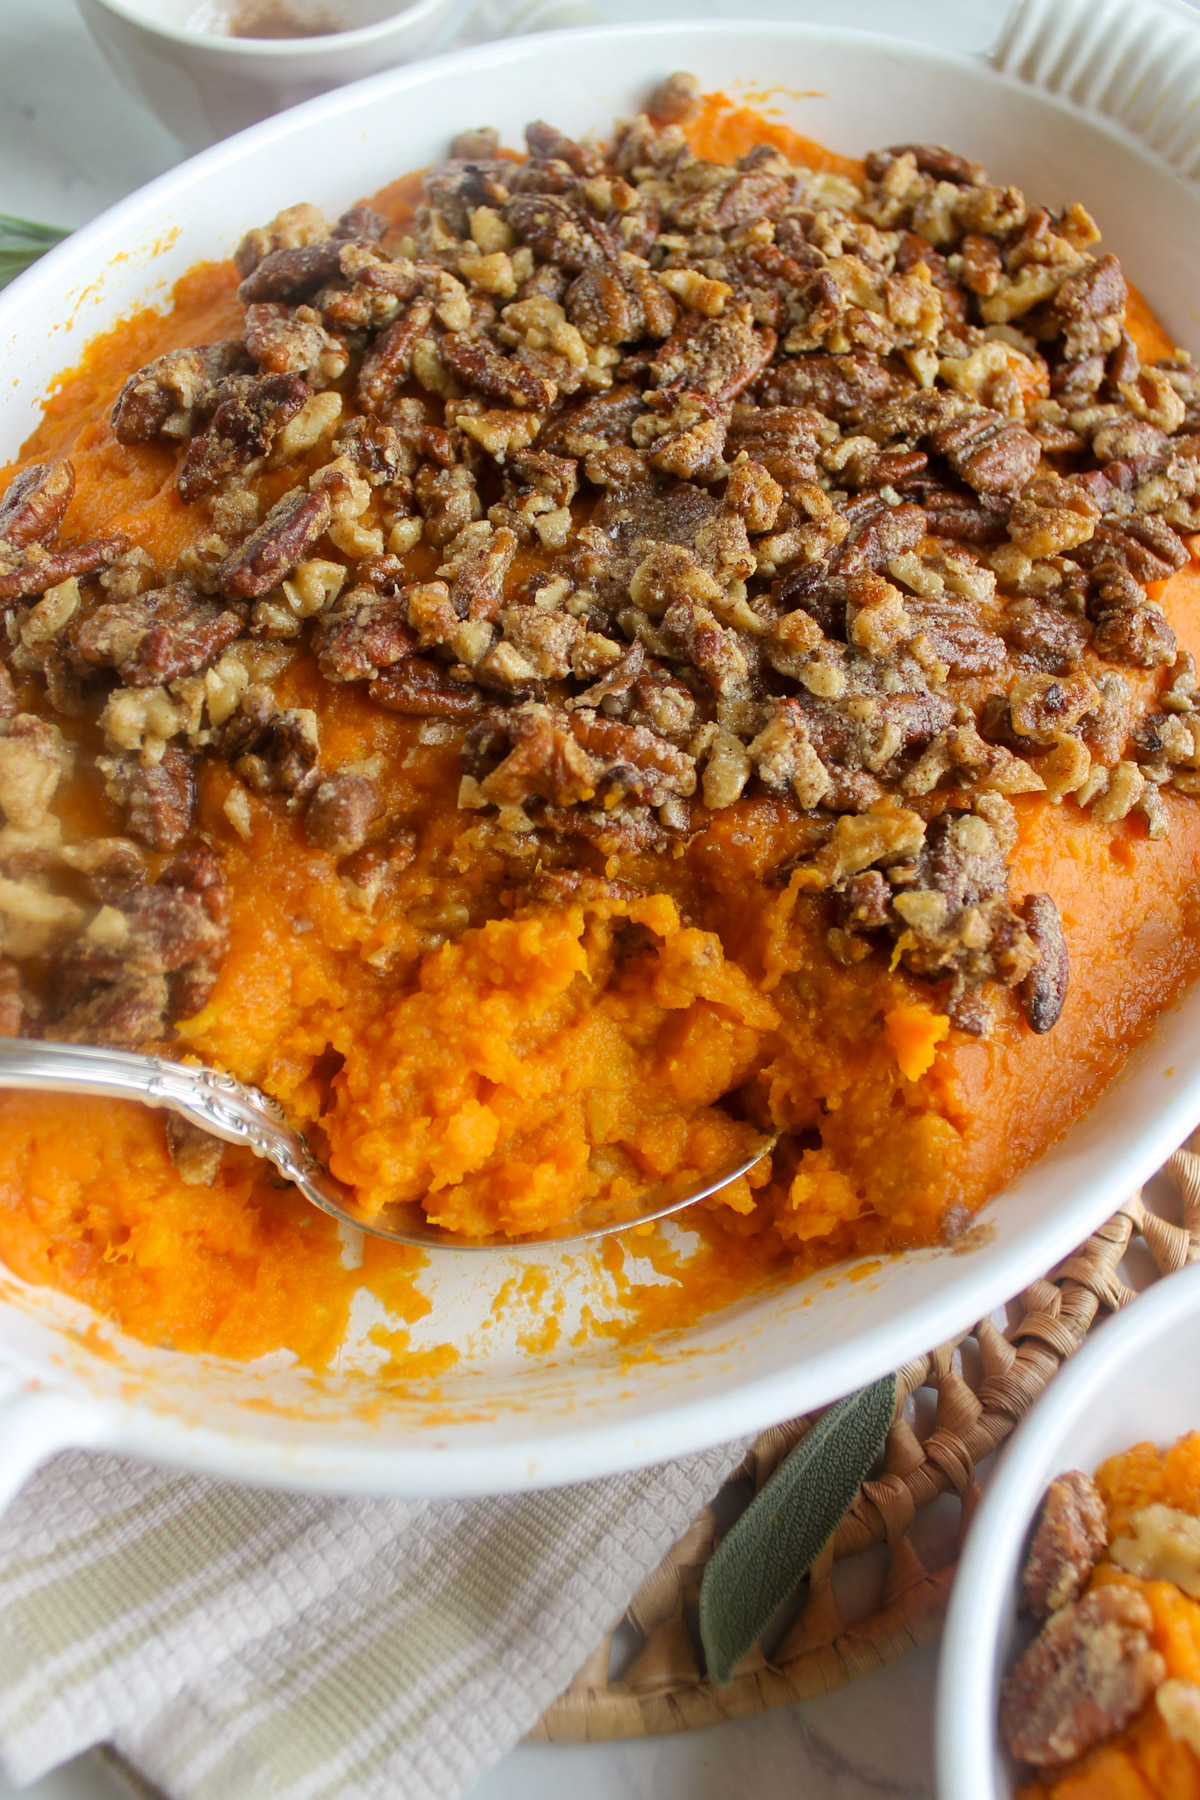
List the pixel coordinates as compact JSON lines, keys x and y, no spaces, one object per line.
{"x":1105,"y":1703}
{"x":590,"y":655}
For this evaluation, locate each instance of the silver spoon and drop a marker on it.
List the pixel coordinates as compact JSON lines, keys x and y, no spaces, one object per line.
{"x":240,"y":1114}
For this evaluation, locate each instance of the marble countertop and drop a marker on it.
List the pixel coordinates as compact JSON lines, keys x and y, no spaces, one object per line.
{"x":71,"y":143}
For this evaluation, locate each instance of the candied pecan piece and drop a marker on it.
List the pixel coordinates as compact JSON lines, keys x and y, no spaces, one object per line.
{"x":274,"y":749}
{"x":388,"y":362}
{"x":35,"y":503}
{"x":956,"y":636}
{"x":1091,"y":306}
{"x":930,"y":159}
{"x":477,"y":574}
{"x":122,"y":993}
{"x":44,"y":569}
{"x":426,"y":691}
{"x":294,"y":341}
{"x":362,"y":634}
{"x":1043,"y":707}
{"x":1138,"y":542}
{"x":341,"y":812}
{"x":175,"y":394}
{"x":545,"y":141}
{"x":1044,"y":637}
{"x":110,"y":866}
{"x":594,"y":424}
{"x":243,"y":427}
{"x":1044,"y":989}
{"x":1083,"y":1679}
{"x":1138,"y":635}
{"x":559,"y":230}
{"x":448,"y":501}
{"x":676,"y":101}
{"x":619,"y":303}
{"x":540,"y":755}
{"x":291,"y":273}
{"x":713,"y":357}
{"x":881,"y":534}
{"x":479,"y":365}
{"x":992,"y":454}
{"x":695,"y":635}
{"x":158,"y":800}
{"x":269,"y":554}
{"x":157,"y":636}
{"x":845,"y":388}
{"x":1071,"y":1532}
{"x":125,"y":1013}
{"x":643,"y":765}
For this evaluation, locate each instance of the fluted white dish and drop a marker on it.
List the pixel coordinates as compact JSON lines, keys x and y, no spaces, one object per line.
{"x":505,"y":1417}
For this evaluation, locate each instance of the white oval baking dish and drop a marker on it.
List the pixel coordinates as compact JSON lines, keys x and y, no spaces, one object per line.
{"x":504,"y":1418}
{"x":1132,"y":1382}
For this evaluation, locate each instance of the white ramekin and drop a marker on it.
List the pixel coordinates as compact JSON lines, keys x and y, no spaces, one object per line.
{"x":504,"y":1416}
{"x":204,"y":86}
{"x":1134,"y":1381}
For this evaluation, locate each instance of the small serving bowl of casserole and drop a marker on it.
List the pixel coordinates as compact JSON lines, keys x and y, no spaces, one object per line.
{"x":1131,"y":1387}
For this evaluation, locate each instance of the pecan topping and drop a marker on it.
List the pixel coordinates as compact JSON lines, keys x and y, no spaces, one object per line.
{"x":34,"y":506}
{"x":1071,"y":1532}
{"x":157,"y":636}
{"x":291,"y":527}
{"x":1082,"y":1680}
{"x":665,"y":485}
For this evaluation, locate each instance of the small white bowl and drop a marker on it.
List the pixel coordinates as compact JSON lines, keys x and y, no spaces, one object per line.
{"x":204,"y":83}
{"x":1135,"y":1381}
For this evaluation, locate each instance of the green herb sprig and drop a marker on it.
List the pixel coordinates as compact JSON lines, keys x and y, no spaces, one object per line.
{"x":22,"y":242}
{"x":787,"y":1525}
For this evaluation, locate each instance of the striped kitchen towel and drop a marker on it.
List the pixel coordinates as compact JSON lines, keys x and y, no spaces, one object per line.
{"x":236,"y":1642}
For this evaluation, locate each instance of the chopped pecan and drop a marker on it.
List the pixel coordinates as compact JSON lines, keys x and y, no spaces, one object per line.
{"x":292,"y":272}
{"x":269,"y":554}
{"x":1044,"y":989}
{"x":294,"y":341}
{"x":159,"y":800}
{"x":425,"y":690}
{"x":618,"y":303}
{"x":676,"y":100}
{"x":1083,"y":1679}
{"x":846,"y":388}
{"x":161,"y":966}
{"x":242,"y":428}
{"x":364,"y":633}
{"x":44,"y":569}
{"x":716,"y":358}
{"x":274,"y":749}
{"x":35,"y":504}
{"x":479,"y":365}
{"x":560,"y":230}
{"x":388,"y":362}
{"x":341,"y":812}
{"x":157,"y":636}
{"x":1072,"y":1530}
{"x":448,"y":501}
{"x":992,"y":454}
{"x":176,"y":394}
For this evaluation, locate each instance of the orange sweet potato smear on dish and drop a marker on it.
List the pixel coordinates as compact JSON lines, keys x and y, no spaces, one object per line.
{"x":503,"y":1000}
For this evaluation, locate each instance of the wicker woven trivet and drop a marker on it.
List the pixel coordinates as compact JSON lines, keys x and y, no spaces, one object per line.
{"x":954,"y":1407}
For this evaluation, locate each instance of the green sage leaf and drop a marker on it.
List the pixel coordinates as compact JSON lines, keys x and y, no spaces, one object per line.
{"x":22,"y":242}
{"x":787,"y":1525}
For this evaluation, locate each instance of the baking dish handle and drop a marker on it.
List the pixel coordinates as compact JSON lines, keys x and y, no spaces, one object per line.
{"x":1136,"y":62}
{"x":36,"y":1422}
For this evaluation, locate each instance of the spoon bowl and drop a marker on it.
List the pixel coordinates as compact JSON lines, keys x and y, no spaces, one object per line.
{"x":240,"y":1114}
